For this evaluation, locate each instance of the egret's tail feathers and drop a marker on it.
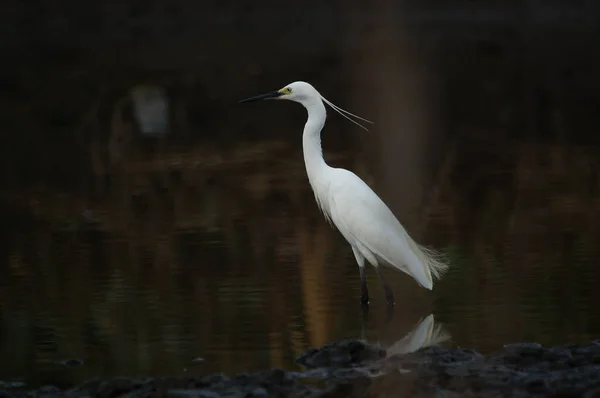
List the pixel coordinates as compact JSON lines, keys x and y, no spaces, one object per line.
{"x":434,"y":263}
{"x":438,"y":335}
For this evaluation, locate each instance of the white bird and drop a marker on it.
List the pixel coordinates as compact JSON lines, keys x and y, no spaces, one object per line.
{"x":425,"y":334}
{"x":350,"y":204}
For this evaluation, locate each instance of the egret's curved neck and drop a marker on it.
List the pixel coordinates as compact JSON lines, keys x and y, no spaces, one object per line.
{"x":311,"y":139}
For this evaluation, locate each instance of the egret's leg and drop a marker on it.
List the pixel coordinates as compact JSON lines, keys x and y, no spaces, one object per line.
{"x":365,"y":318}
{"x":389,"y":313}
{"x":389,"y":295}
{"x":364,"y":292}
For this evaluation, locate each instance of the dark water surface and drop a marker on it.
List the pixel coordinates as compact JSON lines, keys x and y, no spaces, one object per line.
{"x":140,"y":255}
{"x":234,"y":272}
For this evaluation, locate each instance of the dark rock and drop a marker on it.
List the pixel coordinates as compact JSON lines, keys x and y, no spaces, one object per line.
{"x":48,"y":392}
{"x":353,"y":368}
{"x":258,"y":392}
{"x":217,"y":378}
{"x":342,"y":353}
{"x":122,"y":386}
{"x":196,"y":393}
{"x":523,"y":346}
{"x":273,"y":377}
{"x":11,"y":384}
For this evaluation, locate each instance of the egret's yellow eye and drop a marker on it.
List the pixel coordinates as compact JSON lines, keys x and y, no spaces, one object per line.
{"x":286,"y":91}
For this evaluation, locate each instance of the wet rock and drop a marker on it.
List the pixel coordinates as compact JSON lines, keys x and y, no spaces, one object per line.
{"x":115,"y":387}
{"x":11,"y":384}
{"x":195,"y":393}
{"x":342,"y":353}
{"x":217,"y":379}
{"x":259,"y":392}
{"x":48,"y":392}
{"x":523,"y":346}
{"x":353,"y":368}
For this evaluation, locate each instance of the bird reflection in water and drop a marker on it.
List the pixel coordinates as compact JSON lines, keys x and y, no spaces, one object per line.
{"x":426,"y":333}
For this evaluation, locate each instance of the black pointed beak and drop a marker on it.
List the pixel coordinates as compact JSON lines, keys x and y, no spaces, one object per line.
{"x":273,"y":94}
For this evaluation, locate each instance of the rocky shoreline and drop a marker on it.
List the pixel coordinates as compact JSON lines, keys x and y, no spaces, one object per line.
{"x":354,"y":368}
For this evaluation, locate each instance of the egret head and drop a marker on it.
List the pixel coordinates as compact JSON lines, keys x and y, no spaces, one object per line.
{"x":301,"y":92}
{"x":307,"y":95}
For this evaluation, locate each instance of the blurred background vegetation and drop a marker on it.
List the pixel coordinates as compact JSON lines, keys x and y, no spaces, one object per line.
{"x":138,"y":243}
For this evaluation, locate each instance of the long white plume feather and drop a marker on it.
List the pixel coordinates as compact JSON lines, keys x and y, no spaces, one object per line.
{"x":347,"y":114}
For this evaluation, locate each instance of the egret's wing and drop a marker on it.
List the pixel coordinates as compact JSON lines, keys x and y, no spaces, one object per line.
{"x":362,"y":216}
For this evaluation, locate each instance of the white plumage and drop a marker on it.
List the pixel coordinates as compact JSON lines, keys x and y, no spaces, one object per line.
{"x":350,"y":204}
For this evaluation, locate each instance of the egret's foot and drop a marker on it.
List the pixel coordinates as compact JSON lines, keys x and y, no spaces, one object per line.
{"x":364,"y":307}
{"x":364,"y":296}
{"x":364,"y":300}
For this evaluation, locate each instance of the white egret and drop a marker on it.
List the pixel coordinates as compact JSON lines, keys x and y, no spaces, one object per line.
{"x":350,"y":204}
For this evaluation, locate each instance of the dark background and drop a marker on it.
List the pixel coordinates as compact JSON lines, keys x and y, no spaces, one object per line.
{"x":485,"y":143}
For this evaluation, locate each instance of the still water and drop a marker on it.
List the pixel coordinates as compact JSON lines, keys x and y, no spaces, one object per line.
{"x":191,"y":266}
